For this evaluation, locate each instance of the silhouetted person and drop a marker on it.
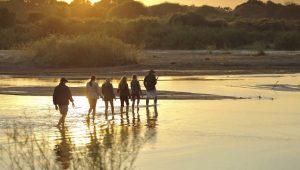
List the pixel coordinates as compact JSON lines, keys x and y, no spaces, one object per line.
{"x":92,"y":93}
{"x":150,"y":82}
{"x":136,"y":90}
{"x":123,"y":91}
{"x":61,"y":97}
{"x":108,"y":95}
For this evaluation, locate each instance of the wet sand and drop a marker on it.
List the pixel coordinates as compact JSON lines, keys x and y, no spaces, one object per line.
{"x":80,"y":91}
{"x":169,"y":63}
{"x":280,"y":87}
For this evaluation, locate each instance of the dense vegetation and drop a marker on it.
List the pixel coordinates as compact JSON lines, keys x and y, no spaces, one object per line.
{"x":84,"y":50}
{"x":252,"y":25}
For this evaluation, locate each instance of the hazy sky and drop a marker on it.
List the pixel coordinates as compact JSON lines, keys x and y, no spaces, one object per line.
{"x":222,"y":3}
{"x":217,"y":3}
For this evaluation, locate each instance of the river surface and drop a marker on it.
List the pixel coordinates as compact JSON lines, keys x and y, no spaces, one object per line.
{"x":261,"y":132}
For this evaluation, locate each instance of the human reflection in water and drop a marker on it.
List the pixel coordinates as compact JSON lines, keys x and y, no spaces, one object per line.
{"x":63,"y":149}
{"x":94,"y":145}
{"x":126,"y":113}
{"x":115,"y":145}
{"x":136,"y":117}
{"x":152,"y":117}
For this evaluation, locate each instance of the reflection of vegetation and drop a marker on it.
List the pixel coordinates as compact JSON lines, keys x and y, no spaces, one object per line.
{"x":111,"y":146}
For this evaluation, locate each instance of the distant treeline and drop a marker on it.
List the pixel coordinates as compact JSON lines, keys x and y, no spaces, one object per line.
{"x":251,"y":25}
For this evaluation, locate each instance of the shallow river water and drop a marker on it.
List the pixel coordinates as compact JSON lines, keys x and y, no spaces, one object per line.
{"x":261,"y":132}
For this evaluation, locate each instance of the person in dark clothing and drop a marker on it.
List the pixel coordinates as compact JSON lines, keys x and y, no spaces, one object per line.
{"x":150,"y":82}
{"x":61,"y":97}
{"x":108,"y":95}
{"x":136,"y":90}
{"x":123,"y":91}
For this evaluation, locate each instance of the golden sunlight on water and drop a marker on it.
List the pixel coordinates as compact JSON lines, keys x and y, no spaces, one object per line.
{"x":261,"y":132}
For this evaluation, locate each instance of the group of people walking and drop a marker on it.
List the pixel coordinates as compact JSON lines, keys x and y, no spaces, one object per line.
{"x":62,"y":94}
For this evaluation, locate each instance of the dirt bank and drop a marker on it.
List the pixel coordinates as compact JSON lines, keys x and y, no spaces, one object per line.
{"x":176,"y":62}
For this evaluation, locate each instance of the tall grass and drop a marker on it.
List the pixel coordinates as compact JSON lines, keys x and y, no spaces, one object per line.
{"x":82,"y":51}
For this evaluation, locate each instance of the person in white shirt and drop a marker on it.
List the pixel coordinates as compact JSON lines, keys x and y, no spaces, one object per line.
{"x":92,"y":93}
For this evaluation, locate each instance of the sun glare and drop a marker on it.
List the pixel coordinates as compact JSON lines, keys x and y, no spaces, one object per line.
{"x":222,"y":3}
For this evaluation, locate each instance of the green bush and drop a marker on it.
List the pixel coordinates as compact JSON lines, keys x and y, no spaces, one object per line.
{"x":19,"y":34}
{"x":82,"y":51}
{"x":134,"y":31}
{"x":209,"y":11}
{"x":261,"y":24}
{"x":288,"y":41}
{"x":53,"y":25}
{"x":35,"y":16}
{"x":195,"y":19}
{"x":190,"y":18}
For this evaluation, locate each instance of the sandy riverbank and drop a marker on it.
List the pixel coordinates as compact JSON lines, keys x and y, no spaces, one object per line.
{"x":170,"y":63}
{"x":80,"y":91}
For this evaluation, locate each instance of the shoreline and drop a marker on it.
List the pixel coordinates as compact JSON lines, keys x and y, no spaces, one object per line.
{"x":80,"y":91}
{"x":167,"y":63}
{"x":83,"y":73}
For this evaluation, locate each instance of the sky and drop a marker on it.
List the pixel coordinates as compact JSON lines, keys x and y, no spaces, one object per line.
{"x":222,"y":3}
{"x":216,"y":3}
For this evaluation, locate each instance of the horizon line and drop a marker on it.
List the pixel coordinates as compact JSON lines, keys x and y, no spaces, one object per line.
{"x":180,"y":3}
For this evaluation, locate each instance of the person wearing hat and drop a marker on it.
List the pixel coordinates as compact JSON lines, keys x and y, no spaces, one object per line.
{"x":150,"y":82}
{"x":61,"y":97}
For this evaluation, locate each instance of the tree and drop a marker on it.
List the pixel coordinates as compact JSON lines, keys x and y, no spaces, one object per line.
{"x":191,"y":18}
{"x":6,"y":18}
{"x":34,"y":2}
{"x":208,"y":11}
{"x":106,"y":4}
{"x":79,"y":8}
{"x":167,"y":9}
{"x":130,"y":9}
{"x":259,"y":9}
